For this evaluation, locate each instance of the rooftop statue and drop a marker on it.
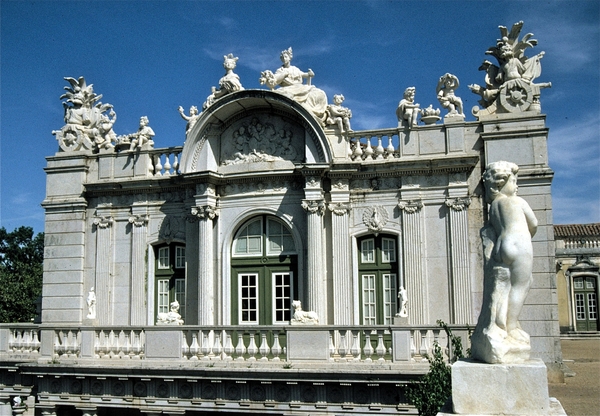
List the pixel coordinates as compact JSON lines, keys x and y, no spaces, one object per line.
{"x":408,"y":110}
{"x":229,"y":83}
{"x":191,"y":119}
{"x":289,"y":79}
{"x":87,"y":125}
{"x":447,"y":84}
{"x":141,"y":137}
{"x":508,"y":253}
{"x":338,"y":115}
{"x":509,"y":87}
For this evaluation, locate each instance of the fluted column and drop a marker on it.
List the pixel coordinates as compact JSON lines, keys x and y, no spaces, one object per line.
{"x":139,"y":233}
{"x":103,"y":285}
{"x":206,"y":287}
{"x":315,"y":272}
{"x":459,"y":255}
{"x":415,"y":278}
{"x":342,"y":272}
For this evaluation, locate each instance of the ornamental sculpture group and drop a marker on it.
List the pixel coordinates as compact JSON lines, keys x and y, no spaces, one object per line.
{"x":509,"y":88}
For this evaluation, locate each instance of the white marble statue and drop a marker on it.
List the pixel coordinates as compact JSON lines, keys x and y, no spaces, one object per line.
{"x":230,"y":82}
{"x":141,"y":137}
{"x":289,"y":79}
{"x":91,"y":304}
{"x":303,"y":317}
{"x":338,"y":115}
{"x":447,"y":84}
{"x":509,"y":86}
{"x":508,"y":252}
{"x":87,"y":125}
{"x":403,"y":302}
{"x":170,"y":318}
{"x":191,"y":119}
{"x":408,"y":110}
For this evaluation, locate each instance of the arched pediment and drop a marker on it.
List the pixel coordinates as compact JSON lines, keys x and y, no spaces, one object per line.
{"x":254,"y":130}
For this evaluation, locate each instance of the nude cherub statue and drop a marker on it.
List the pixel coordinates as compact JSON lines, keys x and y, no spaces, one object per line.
{"x":172,"y":317}
{"x":447,"y":84}
{"x":91,"y":302}
{"x":339,"y":115}
{"x":191,"y":119}
{"x":403,"y":301}
{"x":508,"y":252}
{"x":408,"y":110}
{"x":142,"y":136}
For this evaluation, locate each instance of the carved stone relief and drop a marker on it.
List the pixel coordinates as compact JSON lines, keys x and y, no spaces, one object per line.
{"x":375,"y":218}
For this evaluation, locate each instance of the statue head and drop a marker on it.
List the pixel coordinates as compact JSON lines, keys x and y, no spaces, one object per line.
{"x":409,"y":93}
{"x":338,"y":99}
{"x":229,"y":61}
{"x":144,"y":121}
{"x":174,"y":306}
{"x":496,"y":176}
{"x":286,"y":55}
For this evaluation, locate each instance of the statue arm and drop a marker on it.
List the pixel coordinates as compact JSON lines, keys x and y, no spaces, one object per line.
{"x":530,"y":217}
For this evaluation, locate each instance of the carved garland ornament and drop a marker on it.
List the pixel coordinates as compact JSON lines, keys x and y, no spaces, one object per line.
{"x":375,"y":218}
{"x":103,"y":222}
{"x":410,"y":206}
{"x":312,"y":206}
{"x":205,"y":212}
{"x":458,"y":204}
{"x":339,"y":208}
{"x":139,"y":220}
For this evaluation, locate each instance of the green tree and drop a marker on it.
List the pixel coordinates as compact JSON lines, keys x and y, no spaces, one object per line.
{"x":21,"y":270}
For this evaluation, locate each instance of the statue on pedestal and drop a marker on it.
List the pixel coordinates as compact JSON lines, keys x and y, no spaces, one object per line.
{"x":339,"y":115}
{"x":447,"y":84}
{"x":289,"y":79}
{"x":230,"y":82}
{"x":508,"y":252}
{"x":172,"y":317}
{"x":408,"y":110}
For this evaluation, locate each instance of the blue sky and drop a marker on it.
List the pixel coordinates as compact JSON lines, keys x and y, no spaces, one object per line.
{"x":149,"y":57}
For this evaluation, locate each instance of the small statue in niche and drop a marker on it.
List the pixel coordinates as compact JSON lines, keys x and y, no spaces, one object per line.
{"x":289,"y":79}
{"x":91,"y":303}
{"x":339,"y":115}
{"x":191,"y":119}
{"x":172,"y":317}
{"x":229,"y":83}
{"x":141,"y":137}
{"x":447,"y":84}
{"x":408,"y":110}
{"x":402,"y":301}
{"x":303,"y":317}
{"x":508,"y":252}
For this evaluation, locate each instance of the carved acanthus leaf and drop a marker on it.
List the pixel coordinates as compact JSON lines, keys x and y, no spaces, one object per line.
{"x":103,"y":221}
{"x":205,"y":212}
{"x":458,"y":204}
{"x":139,"y":220}
{"x":339,"y":208}
{"x":410,"y":206}
{"x":314,"y":206}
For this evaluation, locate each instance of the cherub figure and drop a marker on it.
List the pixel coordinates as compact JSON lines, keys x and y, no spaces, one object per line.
{"x":172,"y":317}
{"x":508,"y":252}
{"x":142,"y":136}
{"x":105,"y":136}
{"x":408,"y":110}
{"x":447,"y":84}
{"x":403,"y":301}
{"x":339,"y":115}
{"x":191,"y":119}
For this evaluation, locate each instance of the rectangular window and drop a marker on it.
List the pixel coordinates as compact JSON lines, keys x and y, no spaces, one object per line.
{"x":369,"y":299}
{"x":163,"y":296}
{"x":367,"y":251}
{"x":580,"y":306}
{"x":248,"y":298}
{"x":180,"y":296}
{"x":389,"y":298}
{"x":578,"y":283}
{"x":282,"y":290}
{"x":590,"y":283}
{"x":592,"y":306}
{"x":388,"y":250}
{"x":163,"y":258}
{"x":179,"y":257}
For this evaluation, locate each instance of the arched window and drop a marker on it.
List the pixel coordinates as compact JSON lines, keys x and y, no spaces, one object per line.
{"x":378,"y":279}
{"x":264,"y":266}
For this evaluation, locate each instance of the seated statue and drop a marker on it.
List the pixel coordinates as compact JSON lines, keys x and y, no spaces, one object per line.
{"x":339,"y":115}
{"x":289,"y":79}
{"x":141,"y":137}
{"x":170,"y":318}
{"x":229,"y":83}
{"x":508,"y":253}
{"x":408,"y":110}
{"x":447,"y":84}
{"x":303,"y":317}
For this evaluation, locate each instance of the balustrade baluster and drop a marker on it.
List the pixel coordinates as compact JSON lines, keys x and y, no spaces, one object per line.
{"x":369,"y":150}
{"x":206,"y":345}
{"x":379,"y":149}
{"x":390,"y":147}
{"x":194,"y":348}
{"x":380,"y":350}
{"x":331,"y":345}
{"x":36,"y":342}
{"x":240,"y":348}
{"x":175,"y":163}
{"x":264,"y":347}
{"x":18,"y":344}
{"x":228,"y":349}
{"x":276,"y":349}
{"x":167,"y":167}
{"x":157,"y":165}
{"x":343,"y":347}
{"x":424,"y":347}
{"x":217,"y":347}
{"x":358,"y":152}
{"x":413,"y":346}
{"x":368,"y":349}
{"x":355,"y":350}
{"x":185,"y":348}
{"x":252,"y":348}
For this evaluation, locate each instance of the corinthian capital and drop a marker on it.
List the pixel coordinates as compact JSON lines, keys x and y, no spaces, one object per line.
{"x":410,"y":206}
{"x":314,"y":206}
{"x":458,"y":204}
{"x":205,"y":212}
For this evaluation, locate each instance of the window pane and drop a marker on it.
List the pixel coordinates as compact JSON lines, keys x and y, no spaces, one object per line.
{"x":163,"y":258}
{"x":248,"y":298}
{"x":389,"y":298}
{"x":592,"y":306}
{"x":163,"y":296}
{"x":368,"y":251}
{"x":580,"y":306}
{"x":578,"y":283}
{"x":282,"y":299}
{"x":280,"y":238}
{"x":179,"y":257}
{"x":180,"y":296}
{"x":369,"y":306}
{"x":248,"y":240}
{"x":590,"y":283}
{"x":388,"y":250}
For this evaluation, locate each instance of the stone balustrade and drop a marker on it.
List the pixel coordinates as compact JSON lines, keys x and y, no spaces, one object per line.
{"x":165,"y":162}
{"x":381,"y":344}
{"x":374,"y":145}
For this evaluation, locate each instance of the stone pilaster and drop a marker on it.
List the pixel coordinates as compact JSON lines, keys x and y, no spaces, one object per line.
{"x":206,"y":287}
{"x":459,"y":258}
{"x":415,"y":277}
{"x":139,"y":232}
{"x":342,"y":273}
{"x":315,"y":272}
{"x":103,"y":284}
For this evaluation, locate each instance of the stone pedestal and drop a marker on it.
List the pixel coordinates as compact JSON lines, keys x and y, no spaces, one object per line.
{"x":500,"y":389}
